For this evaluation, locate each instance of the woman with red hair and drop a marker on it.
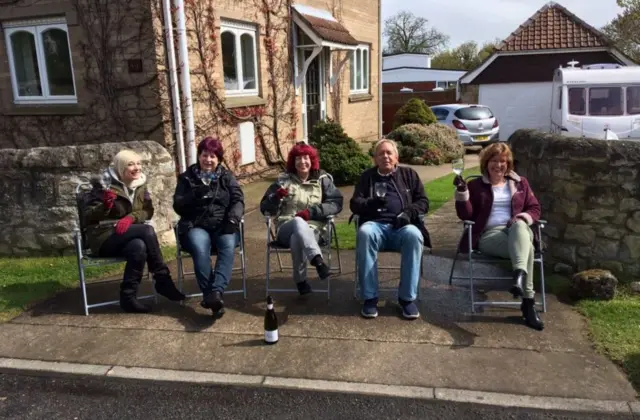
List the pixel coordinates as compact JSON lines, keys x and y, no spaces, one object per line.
{"x":302,"y":198}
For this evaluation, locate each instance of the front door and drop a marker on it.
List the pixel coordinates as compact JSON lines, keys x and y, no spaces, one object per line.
{"x":313,"y":95}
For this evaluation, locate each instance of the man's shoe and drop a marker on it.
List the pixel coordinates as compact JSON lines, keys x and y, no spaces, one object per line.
{"x":214,"y":302}
{"x":531,"y":317}
{"x":517,"y":290}
{"x":370,"y":308}
{"x":323,"y":271}
{"x":409,"y":309}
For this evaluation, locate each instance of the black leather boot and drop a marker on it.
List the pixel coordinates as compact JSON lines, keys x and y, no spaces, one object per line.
{"x":129,"y":290}
{"x":517,"y":289}
{"x":132,"y":305}
{"x":530,"y":314}
{"x":166,"y":287}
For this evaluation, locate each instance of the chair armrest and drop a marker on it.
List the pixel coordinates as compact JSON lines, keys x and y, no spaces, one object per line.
{"x":468,"y":222}
{"x":541,"y":223}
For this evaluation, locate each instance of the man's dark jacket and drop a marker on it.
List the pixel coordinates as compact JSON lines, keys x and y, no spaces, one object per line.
{"x":407,"y":182}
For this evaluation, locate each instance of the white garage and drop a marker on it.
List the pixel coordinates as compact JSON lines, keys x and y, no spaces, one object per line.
{"x":518,"y":105}
{"x":515,"y":81}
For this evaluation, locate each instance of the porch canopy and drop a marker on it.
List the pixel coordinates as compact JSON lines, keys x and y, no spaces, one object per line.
{"x":322,"y":30}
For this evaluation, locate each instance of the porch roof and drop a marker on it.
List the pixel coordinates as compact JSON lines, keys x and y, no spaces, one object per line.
{"x":323,"y":26}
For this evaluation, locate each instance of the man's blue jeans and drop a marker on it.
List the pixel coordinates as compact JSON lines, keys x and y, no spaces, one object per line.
{"x":197,"y":242}
{"x":373,"y":237}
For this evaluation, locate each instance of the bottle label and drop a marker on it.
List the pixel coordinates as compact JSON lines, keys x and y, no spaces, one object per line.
{"x":271,"y":336}
{"x":269,"y":306}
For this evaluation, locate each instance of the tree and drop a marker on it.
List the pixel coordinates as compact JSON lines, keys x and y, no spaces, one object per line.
{"x":466,"y":56}
{"x":624,"y":29}
{"x":407,"y":33}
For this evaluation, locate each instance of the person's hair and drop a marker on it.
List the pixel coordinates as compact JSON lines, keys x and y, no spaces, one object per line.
{"x":496,"y":149}
{"x":302,"y":149}
{"x":121,"y":161}
{"x":213,"y":145}
{"x":382,"y":141}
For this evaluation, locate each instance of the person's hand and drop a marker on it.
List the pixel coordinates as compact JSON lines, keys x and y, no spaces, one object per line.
{"x":232,"y":227}
{"x":458,"y":181}
{"x":282,"y":193}
{"x":108,"y":198}
{"x":304,"y":214}
{"x":123,"y":224}
{"x":402,"y":220}
{"x":377,"y":202}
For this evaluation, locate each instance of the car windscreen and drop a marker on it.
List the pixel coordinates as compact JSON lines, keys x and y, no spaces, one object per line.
{"x":474,"y":113}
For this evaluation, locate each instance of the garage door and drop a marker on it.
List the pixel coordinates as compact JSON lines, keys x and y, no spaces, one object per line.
{"x":518,"y":105}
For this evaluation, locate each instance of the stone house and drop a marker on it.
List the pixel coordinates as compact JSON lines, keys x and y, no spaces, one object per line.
{"x":262,"y":74}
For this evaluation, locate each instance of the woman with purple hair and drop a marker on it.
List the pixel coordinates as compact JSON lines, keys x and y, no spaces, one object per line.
{"x":210,"y":204}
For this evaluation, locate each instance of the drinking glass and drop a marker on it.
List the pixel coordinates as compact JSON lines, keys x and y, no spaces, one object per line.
{"x":458,"y":166}
{"x":284,"y":181}
{"x":380,"y":190}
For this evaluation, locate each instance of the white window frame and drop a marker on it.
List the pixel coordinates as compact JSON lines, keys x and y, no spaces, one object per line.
{"x":238,"y":29}
{"x":356,"y":60}
{"x":36,"y":28}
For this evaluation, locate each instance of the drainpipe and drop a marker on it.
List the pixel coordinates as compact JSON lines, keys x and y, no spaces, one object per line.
{"x":173,"y":80}
{"x":185,"y":79}
{"x":379,"y":68}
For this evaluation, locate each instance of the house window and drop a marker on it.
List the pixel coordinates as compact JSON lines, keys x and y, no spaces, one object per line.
{"x":360,"y":65}
{"x":239,"y":58}
{"x":577,"y":101}
{"x":40,"y":61}
{"x":633,"y":100}
{"x":605,"y":101}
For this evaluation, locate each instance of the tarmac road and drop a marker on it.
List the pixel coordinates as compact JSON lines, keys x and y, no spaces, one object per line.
{"x":42,"y":397}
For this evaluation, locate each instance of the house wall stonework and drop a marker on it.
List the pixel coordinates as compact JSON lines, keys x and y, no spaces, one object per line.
{"x":590,"y":196}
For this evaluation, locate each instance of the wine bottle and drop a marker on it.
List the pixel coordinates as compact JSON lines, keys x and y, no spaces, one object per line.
{"x":270,"y":323}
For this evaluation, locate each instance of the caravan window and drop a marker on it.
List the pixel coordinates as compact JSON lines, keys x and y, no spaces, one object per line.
{"x":605,"y":101}
{"x":633,"y":100}
{"x":577,"y":101}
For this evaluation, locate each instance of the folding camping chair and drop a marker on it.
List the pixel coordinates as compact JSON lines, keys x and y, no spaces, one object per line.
{"x":180,"y":253}
{"x":475,"y":256}
{"x":85,"y":259}
{"x":356,"y":285}
{"x":273,"y":247}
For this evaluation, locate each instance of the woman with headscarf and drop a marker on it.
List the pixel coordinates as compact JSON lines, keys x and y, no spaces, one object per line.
{"x":115,"y":219}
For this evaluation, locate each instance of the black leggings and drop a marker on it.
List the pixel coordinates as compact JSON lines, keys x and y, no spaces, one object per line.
{"x":139,"y":245}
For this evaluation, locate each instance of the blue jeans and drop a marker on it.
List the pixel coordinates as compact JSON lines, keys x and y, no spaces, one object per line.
{"x":373,"y":237}
{"x":197,"y":242}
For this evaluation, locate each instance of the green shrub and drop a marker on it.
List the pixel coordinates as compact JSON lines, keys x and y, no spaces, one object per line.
{"x":415,"y":111}
{"x":340,"y":155}
{"x":441,"y":138}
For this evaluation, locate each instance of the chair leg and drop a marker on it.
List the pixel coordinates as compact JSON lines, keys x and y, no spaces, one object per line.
{"x":335,"y":235}
{"x":83,"y":286}
{"x":279,"y":262}
{"x":244,"y":271}
{"x":473,"y":293}
{"x":542,"y":285}
{"x":453,"y":266}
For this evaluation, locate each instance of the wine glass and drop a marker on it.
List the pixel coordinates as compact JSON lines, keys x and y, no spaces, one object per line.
{"x":106,"y":180}
{"x":284,"y":181}
{"x":458,"y":166}
{"x":380,"y":190}
{"x":205,"y":177}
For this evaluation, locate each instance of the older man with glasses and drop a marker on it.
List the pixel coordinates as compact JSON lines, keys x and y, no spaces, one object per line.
{"x":391,"y":203}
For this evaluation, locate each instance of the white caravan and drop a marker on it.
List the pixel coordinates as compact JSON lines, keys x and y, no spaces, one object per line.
{"x":598,"y":101}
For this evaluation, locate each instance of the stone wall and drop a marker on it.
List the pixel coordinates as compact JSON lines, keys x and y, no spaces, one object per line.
{"x":590,"y":194}
{"x":37,"y":193}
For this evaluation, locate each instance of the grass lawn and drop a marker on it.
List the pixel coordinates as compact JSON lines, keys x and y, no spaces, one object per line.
{"x":614,"y":326}
{"x":27,"y":280}
{"x":439,"y":191}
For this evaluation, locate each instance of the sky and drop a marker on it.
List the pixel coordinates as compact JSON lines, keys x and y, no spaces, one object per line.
{"x":486,"y":20}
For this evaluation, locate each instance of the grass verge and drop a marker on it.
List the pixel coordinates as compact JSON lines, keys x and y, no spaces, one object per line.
{"x":439,"y":191}
{"x":24,"y":281}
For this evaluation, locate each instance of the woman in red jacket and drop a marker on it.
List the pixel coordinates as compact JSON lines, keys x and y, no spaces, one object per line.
{"x":503,"y":208}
